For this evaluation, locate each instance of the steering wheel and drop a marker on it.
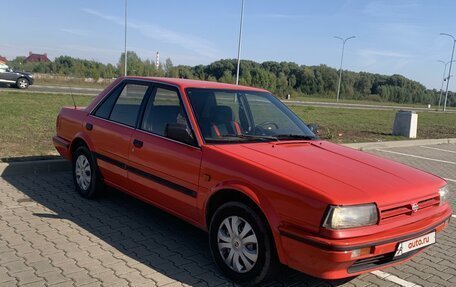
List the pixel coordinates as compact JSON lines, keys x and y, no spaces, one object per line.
{"x":267,"y":125}
{"x":265,"y":128}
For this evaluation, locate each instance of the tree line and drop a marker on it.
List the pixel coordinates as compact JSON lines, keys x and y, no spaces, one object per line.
{"x":281,"y":78}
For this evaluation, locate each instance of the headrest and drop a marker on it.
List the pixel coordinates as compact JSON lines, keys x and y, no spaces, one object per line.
{"x":222,"y":114}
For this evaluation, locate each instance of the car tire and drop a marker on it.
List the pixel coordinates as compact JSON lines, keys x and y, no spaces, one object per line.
{"x":247,"y":255}
{"x":86,"y":177}
{"x":22,"y":83}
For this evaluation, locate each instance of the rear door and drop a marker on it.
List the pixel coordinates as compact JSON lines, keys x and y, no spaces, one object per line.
{"x":111,"y":126}
{"x":6,"y":76}
{"x":163,"y":170}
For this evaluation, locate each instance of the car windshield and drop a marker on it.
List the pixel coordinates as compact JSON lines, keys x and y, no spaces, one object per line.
{"x":226,"y":116}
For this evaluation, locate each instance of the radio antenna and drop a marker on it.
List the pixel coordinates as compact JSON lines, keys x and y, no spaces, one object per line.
{"x":71,"y":93}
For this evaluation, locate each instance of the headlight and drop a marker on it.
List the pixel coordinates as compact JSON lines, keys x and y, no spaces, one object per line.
{"x":341,"y":217}
{"x":31,"y":76}
{"x":444,"y":193}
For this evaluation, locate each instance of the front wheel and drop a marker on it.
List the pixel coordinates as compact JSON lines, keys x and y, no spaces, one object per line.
{"x":85,"y":176}
{"x":22,"y":83}
{"x":241,"y":244}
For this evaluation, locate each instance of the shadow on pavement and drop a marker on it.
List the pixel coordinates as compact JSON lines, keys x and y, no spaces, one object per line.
{"x":137,"y":230}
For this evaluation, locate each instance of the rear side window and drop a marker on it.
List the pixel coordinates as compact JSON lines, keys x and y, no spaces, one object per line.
{"x":126,"y":108}
{"x":104,"y":110}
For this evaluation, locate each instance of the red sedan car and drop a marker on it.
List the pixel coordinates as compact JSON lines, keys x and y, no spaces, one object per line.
{"x":237,"y":162}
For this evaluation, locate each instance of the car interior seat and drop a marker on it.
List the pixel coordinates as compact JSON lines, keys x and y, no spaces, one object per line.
{"x":223,"y":123}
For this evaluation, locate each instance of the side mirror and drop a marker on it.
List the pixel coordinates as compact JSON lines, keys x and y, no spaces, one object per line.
{"x":179,"y":132}
{"x":313,"y":128}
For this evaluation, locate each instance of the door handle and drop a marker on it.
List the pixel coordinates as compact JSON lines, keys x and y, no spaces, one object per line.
{"x":137,"y":143}
{"x":89,"y":126}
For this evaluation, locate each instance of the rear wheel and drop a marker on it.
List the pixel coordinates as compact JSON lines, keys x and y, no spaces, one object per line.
{"x":85,"y":175}
{"x":241,"y":244}
{"x":22,"y":83}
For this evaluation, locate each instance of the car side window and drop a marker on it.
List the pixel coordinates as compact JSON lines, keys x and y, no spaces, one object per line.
{"x":163,"y":108}
{"x":126,"y":108}
{"x":105,"y":108}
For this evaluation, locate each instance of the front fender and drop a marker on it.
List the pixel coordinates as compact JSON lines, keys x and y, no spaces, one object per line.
{"x":262,"y":203}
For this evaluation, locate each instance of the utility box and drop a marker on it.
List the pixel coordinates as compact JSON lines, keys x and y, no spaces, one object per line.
{"x":405,"y":124}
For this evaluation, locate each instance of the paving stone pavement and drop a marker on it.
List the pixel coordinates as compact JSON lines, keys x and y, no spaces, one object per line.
{"x":50,"y":236}
{"x":437,"y":265}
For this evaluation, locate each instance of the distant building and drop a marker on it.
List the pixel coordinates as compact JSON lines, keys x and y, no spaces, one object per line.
{"x":3,"y":60}
{"x":34,"y":58}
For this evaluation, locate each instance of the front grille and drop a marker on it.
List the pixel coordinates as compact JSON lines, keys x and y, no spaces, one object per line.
{"x":406,"y":210}
{"x":378,"y":261}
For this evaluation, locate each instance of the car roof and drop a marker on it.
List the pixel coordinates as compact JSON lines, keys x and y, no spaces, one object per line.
{"x":187,"y":83}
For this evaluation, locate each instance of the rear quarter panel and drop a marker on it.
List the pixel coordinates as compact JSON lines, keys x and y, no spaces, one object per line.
{"x":70,"y":126}
{"x":70,"y":121}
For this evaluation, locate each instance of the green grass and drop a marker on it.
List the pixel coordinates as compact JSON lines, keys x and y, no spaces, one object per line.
{"x":352,"y":125}
{"x":28,"y":123}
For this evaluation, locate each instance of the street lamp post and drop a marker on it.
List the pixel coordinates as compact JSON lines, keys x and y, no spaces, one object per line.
{"x":341,"y":61}
{"x":125,"y":41}
{"x":239,"y":43}
{"x":449,"y":71}
{"x":443,"y":80}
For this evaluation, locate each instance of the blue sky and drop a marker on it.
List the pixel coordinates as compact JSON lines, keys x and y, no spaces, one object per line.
{"x":392,"y":37}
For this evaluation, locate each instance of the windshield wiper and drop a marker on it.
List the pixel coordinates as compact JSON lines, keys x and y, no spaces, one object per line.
{"x":259,"y":137}
{"x":233,"y":138}
{"x":294,"y":137}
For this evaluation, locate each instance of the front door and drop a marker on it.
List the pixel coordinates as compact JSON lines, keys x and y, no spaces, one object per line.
{"x":110,"y":128}
{"x":163,"y":170}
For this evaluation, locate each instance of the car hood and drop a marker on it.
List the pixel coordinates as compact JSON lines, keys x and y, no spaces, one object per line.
{"x":343,"y":175}
{"x":23,"y":73}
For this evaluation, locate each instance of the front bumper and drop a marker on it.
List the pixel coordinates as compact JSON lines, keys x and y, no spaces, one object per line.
{"x":332,"y":258}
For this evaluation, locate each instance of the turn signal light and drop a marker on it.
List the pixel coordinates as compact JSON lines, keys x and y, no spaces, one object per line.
{"x":360,"y":252}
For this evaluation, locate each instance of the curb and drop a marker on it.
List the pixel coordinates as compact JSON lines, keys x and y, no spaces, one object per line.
{"x":55,"y":165}
{"x":34,"y":167}
{"x":404,"y":143}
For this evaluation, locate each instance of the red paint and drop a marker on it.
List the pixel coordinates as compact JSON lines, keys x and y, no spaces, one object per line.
{"x":292,"y":182}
